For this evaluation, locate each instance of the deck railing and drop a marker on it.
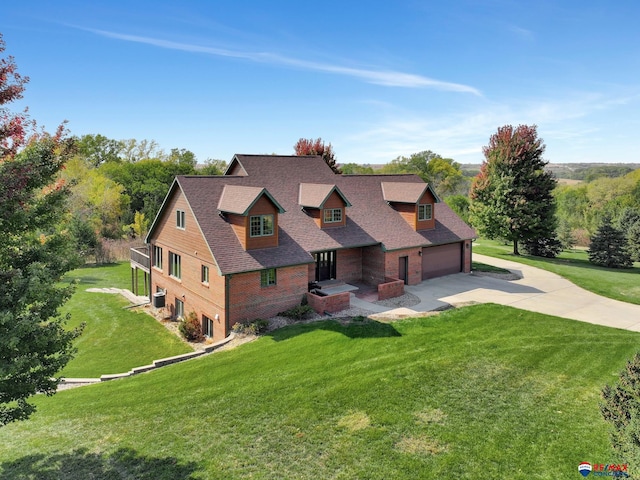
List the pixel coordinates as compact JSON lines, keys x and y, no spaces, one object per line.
{"x":140,"y":257}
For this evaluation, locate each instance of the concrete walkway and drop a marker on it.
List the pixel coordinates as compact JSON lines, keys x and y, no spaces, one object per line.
{"x":537,"y":291}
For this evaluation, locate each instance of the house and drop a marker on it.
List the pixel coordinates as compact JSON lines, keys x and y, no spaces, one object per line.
{"x":248,"y":244}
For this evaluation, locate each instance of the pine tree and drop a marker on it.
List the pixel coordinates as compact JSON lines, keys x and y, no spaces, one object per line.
{"x":608,"y":247}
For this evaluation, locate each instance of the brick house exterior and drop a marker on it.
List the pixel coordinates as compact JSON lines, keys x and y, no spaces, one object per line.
{"x":246,"y":244}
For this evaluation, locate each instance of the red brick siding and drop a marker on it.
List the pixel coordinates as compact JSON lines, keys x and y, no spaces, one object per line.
{"x":349,"y":265}
{"x":390,"y":289}
{"x":329,"y":303}
{"x":466,"y":264}
{"x":373,"y":267}
{"x":414,"y":270}
{"x":249,"y":301}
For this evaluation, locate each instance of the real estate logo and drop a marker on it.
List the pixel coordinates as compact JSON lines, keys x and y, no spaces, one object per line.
{"x":584,"y":468}
{"x":618,"y":470}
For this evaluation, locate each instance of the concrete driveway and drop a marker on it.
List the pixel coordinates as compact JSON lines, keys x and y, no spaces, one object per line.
{"x":537,"y":291}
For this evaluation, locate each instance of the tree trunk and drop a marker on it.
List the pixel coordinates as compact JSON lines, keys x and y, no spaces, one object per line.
{"x":515,"y":247}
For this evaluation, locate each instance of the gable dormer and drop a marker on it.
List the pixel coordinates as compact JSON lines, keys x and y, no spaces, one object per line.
{"x":325,"y":203}
{"x":413,"y":201}
{"x":253,"y":213}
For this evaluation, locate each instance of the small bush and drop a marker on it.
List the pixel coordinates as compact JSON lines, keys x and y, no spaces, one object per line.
{"x":298,"y":312}
{"x":620,"y":407}
{"x":190,"y":328}
{"x":255,"y":327}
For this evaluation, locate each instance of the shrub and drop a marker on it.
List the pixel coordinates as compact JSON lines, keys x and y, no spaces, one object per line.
{"x":621,"y":408}
{"x":255,"y":327}
{"x":298,"y":312}
{"x":190,"y":328}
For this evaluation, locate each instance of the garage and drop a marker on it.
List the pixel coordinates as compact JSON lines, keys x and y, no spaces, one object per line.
{"x":441,"y":260}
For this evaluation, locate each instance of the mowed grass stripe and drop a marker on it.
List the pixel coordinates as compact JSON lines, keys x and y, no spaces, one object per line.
{"x":480,"y":392}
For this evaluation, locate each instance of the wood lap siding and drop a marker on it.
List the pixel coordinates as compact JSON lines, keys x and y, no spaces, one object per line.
{"x":427,"y":199}
{"x":334,"y":201}
{"x":194,"y":252}
{"x":262,"y":207}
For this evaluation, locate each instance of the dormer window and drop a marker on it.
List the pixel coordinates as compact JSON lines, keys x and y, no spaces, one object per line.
{"x":332,"y":215}
{"x":261,"y":225}
{"x":425,"y":212}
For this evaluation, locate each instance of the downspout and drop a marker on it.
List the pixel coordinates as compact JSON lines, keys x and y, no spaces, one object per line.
{"x":227,"y":280}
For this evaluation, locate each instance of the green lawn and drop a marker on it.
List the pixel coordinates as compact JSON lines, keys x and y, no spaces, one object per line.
{"x":483,"y":392}
{"x":620,"y":284}
{"x":115,"y":339}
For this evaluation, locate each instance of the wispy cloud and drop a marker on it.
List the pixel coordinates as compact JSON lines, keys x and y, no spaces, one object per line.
{"x":387,"y":78}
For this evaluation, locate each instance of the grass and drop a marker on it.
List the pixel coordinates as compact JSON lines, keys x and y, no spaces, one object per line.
{"x":483,"y":267}
{"x":480,"y":392}
{"x":574,"y":265}
{"x":115,"y":339}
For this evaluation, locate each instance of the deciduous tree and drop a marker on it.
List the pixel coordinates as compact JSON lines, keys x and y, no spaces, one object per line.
{"x":34,"y":254}
{"x":512,"y":198}
{"x":309,"y":146}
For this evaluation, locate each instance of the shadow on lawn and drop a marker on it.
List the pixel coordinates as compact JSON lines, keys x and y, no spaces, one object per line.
{"x":353,"y":329}
{"x":81,"y":464}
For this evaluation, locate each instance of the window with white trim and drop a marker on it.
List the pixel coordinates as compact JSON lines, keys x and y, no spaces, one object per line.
{"x":207,"y":326}
{"x":204,"y":274}
{"x":175,"y":265}
{"x":425,"y":212}
{"x":332,"y":215}
{"x":261,"y":225}
{"x":179,"y":308}
{"x":268,"y":277}
{"x":157,"y":257}
{"x":180,"y":219}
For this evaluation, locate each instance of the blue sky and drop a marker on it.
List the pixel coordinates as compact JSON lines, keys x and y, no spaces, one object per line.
{"x":376,"y":79}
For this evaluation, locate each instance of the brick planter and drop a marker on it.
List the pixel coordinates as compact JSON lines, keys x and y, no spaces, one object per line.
{"x":329,"y":303}
{"x":390,"y":289}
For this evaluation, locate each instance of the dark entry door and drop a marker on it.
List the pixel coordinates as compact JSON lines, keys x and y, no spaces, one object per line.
{"x":403,"y":264}
{"x":325,"y":265}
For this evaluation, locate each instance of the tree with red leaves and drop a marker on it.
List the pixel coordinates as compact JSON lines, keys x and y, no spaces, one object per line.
{"x":309,"y":146}
{"x":511,"y":198}
{"x":34,"y":254}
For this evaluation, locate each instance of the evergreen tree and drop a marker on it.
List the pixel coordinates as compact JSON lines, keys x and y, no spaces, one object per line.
{"x":608,"y":247}
{"x":511,"y":197}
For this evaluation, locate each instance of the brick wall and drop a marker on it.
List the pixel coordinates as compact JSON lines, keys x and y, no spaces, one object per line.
{"x":248,"y":300}
{"x":329,"y":303}
{"x":373,"y":269}
{"x":414,"y":270}
{"x":390,"y":289}
{"x":349,"y":265}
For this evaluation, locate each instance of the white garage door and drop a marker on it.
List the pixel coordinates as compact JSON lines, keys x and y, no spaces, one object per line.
{"x":441,"y":260}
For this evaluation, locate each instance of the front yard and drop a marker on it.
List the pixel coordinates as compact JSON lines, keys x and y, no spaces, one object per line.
{"x":478,"y":392}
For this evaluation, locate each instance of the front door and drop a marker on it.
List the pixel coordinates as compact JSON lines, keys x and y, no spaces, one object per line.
{"x":325,"y":265}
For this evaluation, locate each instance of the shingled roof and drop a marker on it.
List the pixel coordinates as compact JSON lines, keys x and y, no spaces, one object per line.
{"x":370,"y":220}
{"x":313,"y":195}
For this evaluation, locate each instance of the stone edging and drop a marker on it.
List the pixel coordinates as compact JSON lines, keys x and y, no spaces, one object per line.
{"x":145,"y":368}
